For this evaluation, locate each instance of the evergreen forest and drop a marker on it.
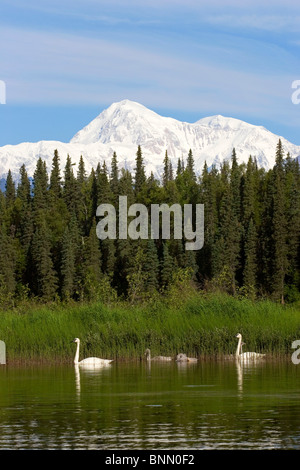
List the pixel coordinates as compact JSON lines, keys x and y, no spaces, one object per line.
{"x":49,"y":250}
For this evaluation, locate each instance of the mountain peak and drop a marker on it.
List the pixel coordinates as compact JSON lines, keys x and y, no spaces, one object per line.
{"x":109,"y":125}
{"x":126,"y":124}
{"x":219,"y":120}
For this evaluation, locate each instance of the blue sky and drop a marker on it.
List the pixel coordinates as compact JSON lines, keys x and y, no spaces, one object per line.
{"x":64,"y":61}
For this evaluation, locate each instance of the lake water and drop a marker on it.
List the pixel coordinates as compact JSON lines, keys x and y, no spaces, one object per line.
{"x":209,"y":405}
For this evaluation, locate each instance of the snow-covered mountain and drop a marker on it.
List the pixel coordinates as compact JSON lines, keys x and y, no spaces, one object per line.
{"x":126,"y":124}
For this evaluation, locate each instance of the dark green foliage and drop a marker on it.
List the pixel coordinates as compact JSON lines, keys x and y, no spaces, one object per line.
{"x":23,"y":190}
{"x":104,"y":194}
{"x":207,"y":257}
{"x":166,"y":173}
{"x":70,"y":188}
{"x":69,"y":260}
{"x":40,"y":188}
{"x":140,"y":176}
{"x":114,"y":176}
{"x":91,"y":266}
{"x":152,"y":267}
{"x":45,"y":279}
{"x":55,"y":189}
{"x":179,"y":167}
{"x":167,"y":266}
{"x":10,"y":190}
{"x":126,"y":186}
{"x":49,"y":247}
{"x":7,"y":263}
{"x":190,"y":164}
{"x":250,"y":253}
{"x":81,"y":173}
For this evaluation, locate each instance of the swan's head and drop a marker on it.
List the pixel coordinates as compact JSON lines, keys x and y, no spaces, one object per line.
{"x":76,"y":340}
{"x":238,"y":335}
{"x":147,"y":352}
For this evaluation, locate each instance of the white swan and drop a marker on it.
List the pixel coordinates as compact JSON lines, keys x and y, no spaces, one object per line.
{"x":157,"y":358}
{"x":89,"y":361}
{"x":247,"y":355}
{"x":183,"y":358}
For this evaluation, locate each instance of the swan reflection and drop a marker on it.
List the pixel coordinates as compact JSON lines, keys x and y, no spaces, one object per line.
{"x":88,"y":370}
{"x":246,"y":368}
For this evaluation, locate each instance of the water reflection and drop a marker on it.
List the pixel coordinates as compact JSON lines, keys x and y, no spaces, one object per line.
{"x":77,"y":379}
{"x":88,"y":370}
{"x":246,"y":368}
{"x":240,"y":368}
{"x":184,"y":366}
{"x":239,"y":373}
{"x":186,"y":406}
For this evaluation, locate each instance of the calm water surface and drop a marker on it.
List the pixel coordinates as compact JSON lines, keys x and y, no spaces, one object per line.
{"x":209,"y":405}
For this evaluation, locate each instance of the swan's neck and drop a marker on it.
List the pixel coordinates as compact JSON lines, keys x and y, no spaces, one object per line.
{"x":148,"y":356}
{"x":238,"y":347}
{"x":77,"y":354}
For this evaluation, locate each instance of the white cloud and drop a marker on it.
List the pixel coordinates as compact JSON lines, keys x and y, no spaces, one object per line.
{"x":48,"y":68}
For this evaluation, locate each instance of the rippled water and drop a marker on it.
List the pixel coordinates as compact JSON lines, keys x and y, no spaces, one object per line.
{"x":209,"y":405}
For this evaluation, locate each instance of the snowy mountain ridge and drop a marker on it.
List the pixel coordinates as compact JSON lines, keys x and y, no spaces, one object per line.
{"x":126,"y":124}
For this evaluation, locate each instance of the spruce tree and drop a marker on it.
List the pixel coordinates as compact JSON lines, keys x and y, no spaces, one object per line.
{"x":250,"y":268}
{"x":126,"y":186}
{"x":8,"y":261}
{"x":84,"y":199}
{"x":104,"y":194}
{"x":45,"y":277}
{"x":140,"y":176}
{"x":235,"y":183}
{"x":114,"y":177}
{"x":228,"y":242}
{"x":23,"y":190}
{"x":280,"y":261}
{"x":166,"y":173}
{"x":70,"y":251}
{"x":92,"y":273}
{"x":190,"y":165}
{"x":292,"y":191}
{"x":40,"y":190}
{"x":70,"y":188}
{"x":179,"y":168}
{"x":81,"y":173}
{"x":10,"y":190}
{"x":208,"y":264}
{"x":171,"y":173}
{"x":55,"y":188}
{"x":249,"y":233}
{"x":92,"y":191}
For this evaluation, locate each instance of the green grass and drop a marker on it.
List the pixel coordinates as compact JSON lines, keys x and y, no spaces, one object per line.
{"x":201,"y":325}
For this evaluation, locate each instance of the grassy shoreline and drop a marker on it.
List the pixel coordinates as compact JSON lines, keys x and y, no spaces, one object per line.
{"x":202,"y":326}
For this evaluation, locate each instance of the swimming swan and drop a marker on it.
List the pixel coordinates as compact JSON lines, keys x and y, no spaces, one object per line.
{"x":89,"y":361}
{"x":183,"y":358}
{"x":157,"y":358}
{"x":246,"y":355}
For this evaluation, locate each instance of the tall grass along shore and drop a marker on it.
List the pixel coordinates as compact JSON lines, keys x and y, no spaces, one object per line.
{"x":201,"y":325}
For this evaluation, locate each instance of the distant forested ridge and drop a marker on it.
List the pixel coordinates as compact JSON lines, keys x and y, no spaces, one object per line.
{"x":49,"y":248}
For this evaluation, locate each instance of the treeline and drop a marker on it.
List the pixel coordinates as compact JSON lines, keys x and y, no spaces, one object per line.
{"x":49,"y":248}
